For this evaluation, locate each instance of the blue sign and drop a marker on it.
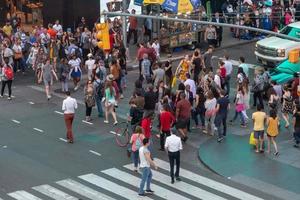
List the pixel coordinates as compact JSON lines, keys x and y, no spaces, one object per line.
{"x":138,"y":2}
{"x":170,"y":5}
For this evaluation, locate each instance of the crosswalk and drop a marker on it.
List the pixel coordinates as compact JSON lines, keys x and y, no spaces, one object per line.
{"x":115,"y":183}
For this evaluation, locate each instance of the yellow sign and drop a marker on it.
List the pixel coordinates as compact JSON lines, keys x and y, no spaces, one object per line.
{"x":153,"y":2}
{"x":184,"y":6}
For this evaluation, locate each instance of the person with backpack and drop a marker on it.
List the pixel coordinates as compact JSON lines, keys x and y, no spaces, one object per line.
{"x":136,"y":142}
{"x":100,"y":74}
{"x":7,"y":76}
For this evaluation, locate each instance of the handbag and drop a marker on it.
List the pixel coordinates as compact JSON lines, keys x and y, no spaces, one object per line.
{"x":90,"y":101}
{"x":18,"y":55}
{"x":239,"y":107}
{"x":210,"y":113}
{"x":252,"y":140}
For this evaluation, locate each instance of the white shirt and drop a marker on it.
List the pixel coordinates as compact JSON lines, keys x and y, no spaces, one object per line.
{"x":58,"y":28}
{"x":228,"y":66}
{"x":69,"y":105}
{"x":217,"y":80}
{"x":143,"y":160}
{"x":173,"y":143}
{"x":156,"y":47}
{"x":90,"y":64}
{"x":75,"y":64}
{"x":192,"y":85}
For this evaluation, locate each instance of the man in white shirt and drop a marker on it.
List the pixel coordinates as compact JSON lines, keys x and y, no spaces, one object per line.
{"x":191,"y":83}
{"x":58,"y":28}
{"x":69,"y":106}
{"x":228,"y":67}
{"x":145,"y":163}
{"x":156,"y":47}
{"x":173,"y":145}
{"x":89,"y":64}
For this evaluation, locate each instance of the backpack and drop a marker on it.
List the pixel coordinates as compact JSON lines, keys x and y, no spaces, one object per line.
{"x":8,"y":73}
{"x":99,"y":89}
{"x":138,"y":143}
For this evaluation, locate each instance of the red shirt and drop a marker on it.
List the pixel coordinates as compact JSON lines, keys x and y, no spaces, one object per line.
{"x":52,"y":33}
{"x":141,"y":52}
{"x":166,"y":120}
{"x":146,"y":125}
{"x":223,"y":72}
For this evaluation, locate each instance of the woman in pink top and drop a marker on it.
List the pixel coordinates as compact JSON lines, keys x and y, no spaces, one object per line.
{"x":136,"y":142}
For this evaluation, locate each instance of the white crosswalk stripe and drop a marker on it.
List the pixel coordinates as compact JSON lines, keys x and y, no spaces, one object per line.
{"x":111,"y":186}
{"x":182,"y":186}
{"x":132,"y":180}
{"x":53,"y":193}
{"x":83,"y":190}
{"x":209,"y":182}
{"x":110,"y":180}
{"x":23,"y":195}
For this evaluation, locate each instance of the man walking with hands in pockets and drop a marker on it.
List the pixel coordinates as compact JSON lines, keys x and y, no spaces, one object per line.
{"x":145,"y":163}
{"x":173,"y":145}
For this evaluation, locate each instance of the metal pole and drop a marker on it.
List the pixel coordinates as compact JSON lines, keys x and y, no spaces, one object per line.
{"x":124,"y":24}
{"x":205,"y":23}
{"x":100,"y":11}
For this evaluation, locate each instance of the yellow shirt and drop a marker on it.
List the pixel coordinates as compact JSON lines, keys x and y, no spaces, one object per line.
{"x":7,"y":30}
{"x":273,"y":127}
{"x":259,"y":120}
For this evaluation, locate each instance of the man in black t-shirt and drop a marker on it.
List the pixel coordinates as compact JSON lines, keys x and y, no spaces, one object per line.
{"x":296,"y":123}
{"x":221,"y":115}
{"x":198,"y":64}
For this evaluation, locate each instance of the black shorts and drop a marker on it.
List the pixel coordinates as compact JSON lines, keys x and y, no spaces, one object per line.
{"x":182,"y":123}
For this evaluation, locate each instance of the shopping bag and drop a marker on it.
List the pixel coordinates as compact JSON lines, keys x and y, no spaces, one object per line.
{"x":174,"y":82}
{"x":252,"y":140}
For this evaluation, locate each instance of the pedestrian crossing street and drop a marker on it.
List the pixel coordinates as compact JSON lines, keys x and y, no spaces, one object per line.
{"x":113,"y":183}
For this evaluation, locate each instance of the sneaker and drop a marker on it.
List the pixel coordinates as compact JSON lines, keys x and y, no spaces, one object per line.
{"x":103,"y":99}
{"x":178,"y":179}
{"x":220,"y":139}
{"x":204,"y":131}
{"x":1,"y":96}
{"x":116,"y":122}
{"x":9,"y":98}
{"x":149,"y":191}
{"x":142,"y":195}
{"x":122,"y":96}
{"x":296,"y":145}
{"x":106,"y":121}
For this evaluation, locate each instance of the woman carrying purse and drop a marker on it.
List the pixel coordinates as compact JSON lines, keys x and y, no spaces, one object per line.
{"x":239,"y":106}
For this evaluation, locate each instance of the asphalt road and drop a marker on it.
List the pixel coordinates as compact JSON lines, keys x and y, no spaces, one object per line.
{"x":33,"y":153}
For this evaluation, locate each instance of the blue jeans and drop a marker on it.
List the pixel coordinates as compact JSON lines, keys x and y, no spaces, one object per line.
{"x":135,"y":158}
{"x":99,"y":106}
{"x":146,"y":177}
{"x":241,"y":116}
{"x":221,"y":119}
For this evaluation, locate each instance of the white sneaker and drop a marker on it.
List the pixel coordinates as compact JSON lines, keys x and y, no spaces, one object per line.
{"x":9,"y":98}
{"x":1,"y":96}
{"x":106,"y":121}
{"x":122,"y":96}
{"x":103,"y":99}
{"x":116,"y":122}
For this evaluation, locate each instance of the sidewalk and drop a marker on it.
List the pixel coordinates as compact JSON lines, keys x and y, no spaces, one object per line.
{"x":235,"y":159}
{"x":227,"y":42}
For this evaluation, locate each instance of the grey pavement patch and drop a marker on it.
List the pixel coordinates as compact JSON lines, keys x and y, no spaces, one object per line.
{"x":296,"y":164}
{"x":265,"y":187}
{"x":290,"y":156}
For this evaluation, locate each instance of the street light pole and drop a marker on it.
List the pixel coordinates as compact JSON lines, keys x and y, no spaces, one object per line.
{"x":100,"y":11}
{"x":124,"y":24}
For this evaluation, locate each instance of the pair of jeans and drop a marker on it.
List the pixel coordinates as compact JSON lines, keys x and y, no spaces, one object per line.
{"x":19,"y":64}
{"x":258,"y":95}
{"x":174,"y":157}
{"x":210,"y":121}
{"x":135,"y":36}
{"x":227,"y":84}
{"x":146,"y":178}
{"x":99,"y":106}
{"x":64,"y":86}
{"x":201,"y":112}
{"x":135,"y":158}
{"x":163,"y":135}
{"x":241,"y":117}
{"x":9,"y":83}
{"x":69,"y":121}
{"x":221,"y":119}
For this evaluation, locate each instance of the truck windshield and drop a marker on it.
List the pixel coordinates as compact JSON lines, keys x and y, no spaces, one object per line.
{"x":291,"y":31}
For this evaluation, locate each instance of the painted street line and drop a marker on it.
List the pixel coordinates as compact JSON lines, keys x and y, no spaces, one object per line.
{"x":4,"y":147}
{"x":111,"y":186}
{"x":37,"y":88}
{"x":135,"y":181}
{"x":60,"y":113}
{"x":31,"y":103}
{"x":114,"y":133}
{"x":53,"y":193}
{"x":39,"y":130}
{"x":62,"y":139}
{"x":94,"y":152}
{"x":16,"y":121}
{"x":209,"y":182}
{"x":23,"y":195}
{"x":182,"y":186}
{"x":84,"y":121}
{"x":83,"y":190}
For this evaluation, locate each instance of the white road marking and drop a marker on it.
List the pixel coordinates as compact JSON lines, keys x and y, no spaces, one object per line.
{"x":135,"y":181}
{"x":31,"y":103}
{"x":182,"y":186}
{"x":84,"y":121}
{"x":60,"y":113}
{"x":4,"y":147}
{"x":53,"y":193}
{"x":39,"y":130}
{"x":209,"y":182}
{"x":94,"y":152}
{"x":23,"y":195}
{"x":16,"y":121}
{"x":113,"y":132}
{"x":83,"y":190}
{"x":62,"y":139}
{"x":111,"y":186}
{"x":37,"y":88}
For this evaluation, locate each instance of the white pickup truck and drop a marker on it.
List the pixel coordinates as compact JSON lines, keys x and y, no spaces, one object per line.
{"x":273,"y":50}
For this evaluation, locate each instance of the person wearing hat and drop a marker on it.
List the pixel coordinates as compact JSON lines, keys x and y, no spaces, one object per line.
{"x":89,"y":64}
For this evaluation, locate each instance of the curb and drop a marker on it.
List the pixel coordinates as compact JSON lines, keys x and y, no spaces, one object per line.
{"x":207,"y":166}
{"x":133,"y":66}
